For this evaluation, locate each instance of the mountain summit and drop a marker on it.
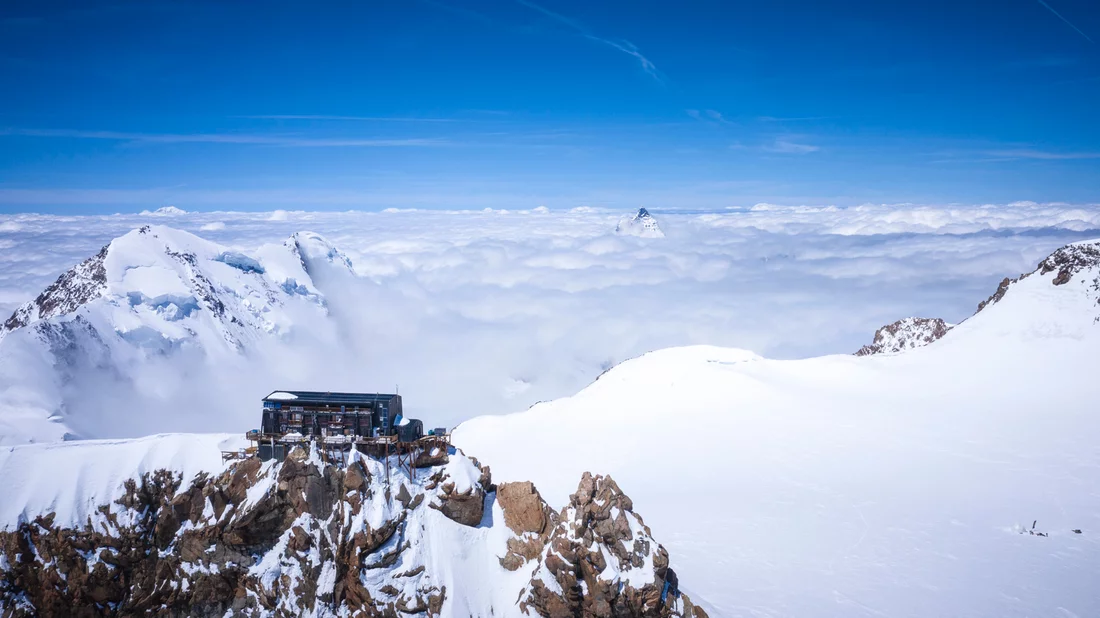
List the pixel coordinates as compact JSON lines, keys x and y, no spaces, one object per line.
{"x":156,"y":297}
{"x":1075,"y":263}
{"x":642,"y":225}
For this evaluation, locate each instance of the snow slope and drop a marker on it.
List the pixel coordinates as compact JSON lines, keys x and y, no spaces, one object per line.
{"x":154,"y":307}
{"x":70,"y":479}
{"x":892,"y":485}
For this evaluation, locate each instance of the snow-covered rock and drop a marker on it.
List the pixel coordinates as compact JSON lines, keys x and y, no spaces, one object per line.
{"x":1079,"y":260}
{"x":642,"y":225}
{"x":905,"y":334}
{"x":302,"y":538}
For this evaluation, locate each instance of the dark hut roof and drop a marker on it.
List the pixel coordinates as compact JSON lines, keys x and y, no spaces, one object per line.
{"x":328,"y":398}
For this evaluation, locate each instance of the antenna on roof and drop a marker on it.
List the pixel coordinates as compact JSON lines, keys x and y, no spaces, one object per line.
{"x":396,"y":389}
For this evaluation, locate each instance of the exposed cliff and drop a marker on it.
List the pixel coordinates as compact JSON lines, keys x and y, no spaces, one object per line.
{"x":305,"y":538}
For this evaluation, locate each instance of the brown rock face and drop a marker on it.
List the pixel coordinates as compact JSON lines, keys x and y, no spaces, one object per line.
{"x":302,"y":538}
{"x":529,"y":517}
{"x":524,"y":509}
{"x":596,"y":534}
{"x":465,"y":507}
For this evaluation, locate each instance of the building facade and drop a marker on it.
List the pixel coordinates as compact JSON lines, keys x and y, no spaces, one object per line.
{"x":314,"y":414}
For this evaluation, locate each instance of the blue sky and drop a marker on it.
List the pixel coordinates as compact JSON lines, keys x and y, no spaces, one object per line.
{"x":123,"y":106}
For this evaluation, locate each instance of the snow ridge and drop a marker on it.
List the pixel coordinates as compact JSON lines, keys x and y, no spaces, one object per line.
{"x":1078,"y":261}
{"x":157,"y":293}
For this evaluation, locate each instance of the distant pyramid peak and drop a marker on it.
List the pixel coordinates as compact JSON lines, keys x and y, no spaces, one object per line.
{"x":642,"y":225}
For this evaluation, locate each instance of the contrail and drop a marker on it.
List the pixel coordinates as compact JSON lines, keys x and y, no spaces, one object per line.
{"x":1068,"y":23}
{"x":624,"y":46}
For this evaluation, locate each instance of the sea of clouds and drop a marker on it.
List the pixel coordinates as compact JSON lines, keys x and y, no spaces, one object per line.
{"x":475,"y":312}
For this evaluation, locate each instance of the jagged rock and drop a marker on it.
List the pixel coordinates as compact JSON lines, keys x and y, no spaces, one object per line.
{"x":529,"y":517}
{"x":303,"y":538}
{"x":642,"y":224}
{"x":906,"y":334}
{"x":1067,"y":262}
{"x":524,"y":509}
{"x":1070,"y":260}
{"x":1002,"y":289}
{"x":597,"y":540}
{"x":356,"y":477}
{"x":403,"y":496}
{"x":78,"y":285}
{"x":465,"y":508}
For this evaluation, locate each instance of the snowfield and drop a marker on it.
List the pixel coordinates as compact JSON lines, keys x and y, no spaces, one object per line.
{"x":893,"y":485}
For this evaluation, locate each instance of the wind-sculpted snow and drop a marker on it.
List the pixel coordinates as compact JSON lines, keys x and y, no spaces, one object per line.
{"x":894,"y":485}
{"x":302,"y":538}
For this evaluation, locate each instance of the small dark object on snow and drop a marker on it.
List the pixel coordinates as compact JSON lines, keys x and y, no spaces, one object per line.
{"x":1077,"y":531}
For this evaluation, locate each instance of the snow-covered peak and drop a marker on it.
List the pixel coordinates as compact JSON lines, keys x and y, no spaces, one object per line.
{"x":153,"y":294}
{"x":905,"y":334}
{"x":168,"y":282}
{"x":315,"y":250}
{"x":1075,"y":267}
{"x":1077,"y":263}
{"x":642,"y":225}
{"x":164,"y":211}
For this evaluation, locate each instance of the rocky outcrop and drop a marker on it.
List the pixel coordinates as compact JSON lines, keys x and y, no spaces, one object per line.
{"x":530,"y":520}
{"x":465,"y":506}
{"x":905,"y":334}
{"x":1066,"y":263}
{"x":601,"y":560}
{"x":301,"y":538}
{"x":75,"y":287}
{"x":1071,"y":260}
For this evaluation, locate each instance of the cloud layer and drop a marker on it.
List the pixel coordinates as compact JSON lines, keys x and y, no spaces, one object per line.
{"x":475,"y":312}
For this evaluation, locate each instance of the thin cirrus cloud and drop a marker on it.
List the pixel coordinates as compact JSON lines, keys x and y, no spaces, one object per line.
{"x":1044,"y":155}
{"x":348,"y":118}
{"x":227,"y":138}
{"x":622,"y":45}
{"x":1068,"y":22}
{"x":708,"y":115}
{"x":786,"y":146}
